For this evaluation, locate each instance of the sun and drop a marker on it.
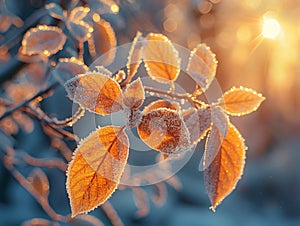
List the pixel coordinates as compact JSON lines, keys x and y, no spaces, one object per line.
{"x":270,"y":28}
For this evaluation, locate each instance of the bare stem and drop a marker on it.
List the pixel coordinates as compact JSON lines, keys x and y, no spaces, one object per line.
{"x":52,"y":163}
{"x":112,"y":214}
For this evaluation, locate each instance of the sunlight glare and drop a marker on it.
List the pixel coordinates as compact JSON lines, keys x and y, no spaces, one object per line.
{"x":270,"y":28}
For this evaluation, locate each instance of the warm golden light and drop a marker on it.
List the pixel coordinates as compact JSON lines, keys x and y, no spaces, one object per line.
{"x":270,"y":28}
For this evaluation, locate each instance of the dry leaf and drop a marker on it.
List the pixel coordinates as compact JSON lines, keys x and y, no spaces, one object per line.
{"x":134,"y":94}
{"x":37,"y":222}
{"x":161,"y":104}
{"x":96,"y":168}
{"x":43,"y":39}
{"x":95,"y":92}
{"x":135,"y":56}
{"x":161,"y":58}
{"x":198,"y":123}
{"x":68,"y":68}
{"x":241,"y":101}
{"x":39,"y":182}
{"x":103,"y":42}
{"x":222,"y":175}
{"x":202,"y":66}
{"x":164,"y":130}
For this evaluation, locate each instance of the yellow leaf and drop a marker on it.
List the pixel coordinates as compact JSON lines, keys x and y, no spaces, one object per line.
{"x":135,"y":56}
{"x":161,"y":104}
{"x":164,"y":130}
{"x":202,"y":66}
{"x":161,"y":58}
{"x":198,"y":122}
{"x":223,"y":172}
{"x":134,"y":94}
{"x":241,"y":101}
{"x":95,"y":92}
{"x":46,"y":40}
{"x":96,"y":168}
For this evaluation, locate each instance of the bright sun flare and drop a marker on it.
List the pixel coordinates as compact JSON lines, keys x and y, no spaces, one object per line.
{"x":270,"y":28}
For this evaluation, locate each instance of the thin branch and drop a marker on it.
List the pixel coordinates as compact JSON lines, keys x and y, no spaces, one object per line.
{"x":112,"y":214}
{"x":52,"y":163}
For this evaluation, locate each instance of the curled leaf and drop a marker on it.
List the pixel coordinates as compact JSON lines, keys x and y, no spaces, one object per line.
{"x":161,"y":58}
{"x":198,"y":123}
{"x":164,"y":130}
{"x":223,"y":173}
{"x":202,"y":66}
{"x":95,"y":92}
{"x":43,"y":39}
{"x":103,"y":42}
{"x":241,"y":101}
{"x":39,"y":182}
{"x":135,"y":56}
{"x":134,"y":94}
{"x":96,"y":168}
{"x":161,"y":104}
{"x":68,"y":68}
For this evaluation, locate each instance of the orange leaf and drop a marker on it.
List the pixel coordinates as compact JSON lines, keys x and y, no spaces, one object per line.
{"x":198,"y":122}
{"x":202,"y":66}
{"x":39,"y":182}
{"x":43,"y":39}
{"x":241,"y":101}
{"x":134,"y":94}
{"x":164,"y":130}
{"x":96,"y":92}
{"x":223,"y":173}
{"x":68,"y":68}
{"x":103,"y":42}
{"x":161,"y":104}
{"x":96,"y":168}
{"x":161,"y":58}
{"x":135,"y":56}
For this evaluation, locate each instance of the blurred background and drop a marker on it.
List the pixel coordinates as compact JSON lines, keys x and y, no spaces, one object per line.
{"x":257,"y":44}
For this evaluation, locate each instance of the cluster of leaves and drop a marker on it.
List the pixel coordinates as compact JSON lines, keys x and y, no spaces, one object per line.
{"x":100,"y":159}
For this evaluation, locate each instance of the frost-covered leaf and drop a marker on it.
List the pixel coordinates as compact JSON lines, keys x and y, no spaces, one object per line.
{"x":134,"y":94}
{"x":202,"y":66}
{"x":39,"y":182}
{"x":81,"y":30}
{"x":37,"y":222}
{"x":241,"y":101}
{"x":68,"y":68}
{"x":164,"y":130}
{"x":161,"y":58}
{"x":223,"y":173}
{"x":79,"y":13}
{"x":103,"y":42}
{"x":96,"y":168}
{"x":43,"y":39}
{"x":198,"y":123}
{"x":161,"y":104}
{"x":55,"y":11}
{"x":135,"y":55}
{"x":95,"y":92}
{"x":220,"y":120}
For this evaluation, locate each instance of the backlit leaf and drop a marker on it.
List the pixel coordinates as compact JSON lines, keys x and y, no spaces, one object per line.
{"x":103,"y":42}
{"x":134,"y":94}
{"x":198,"y":122}
{"x":81,"y":30}
{"x":39,"y":182}
{"x":55,"y":10}
{"x":202,"y":66}
{"x":161,"y":58}
{"x":241,"y":101}
{"x":68,"y":68}
{"x":79,"y":13}
{"x":135,"y":56}
{"x":164,"y":130}
{"x":161,"y":104}
{"x":95,"y":92}
{"x":96,"y":168}
{"x":223,"y":173}
{"x":43,"y":39}
{"x":220,"y":120}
